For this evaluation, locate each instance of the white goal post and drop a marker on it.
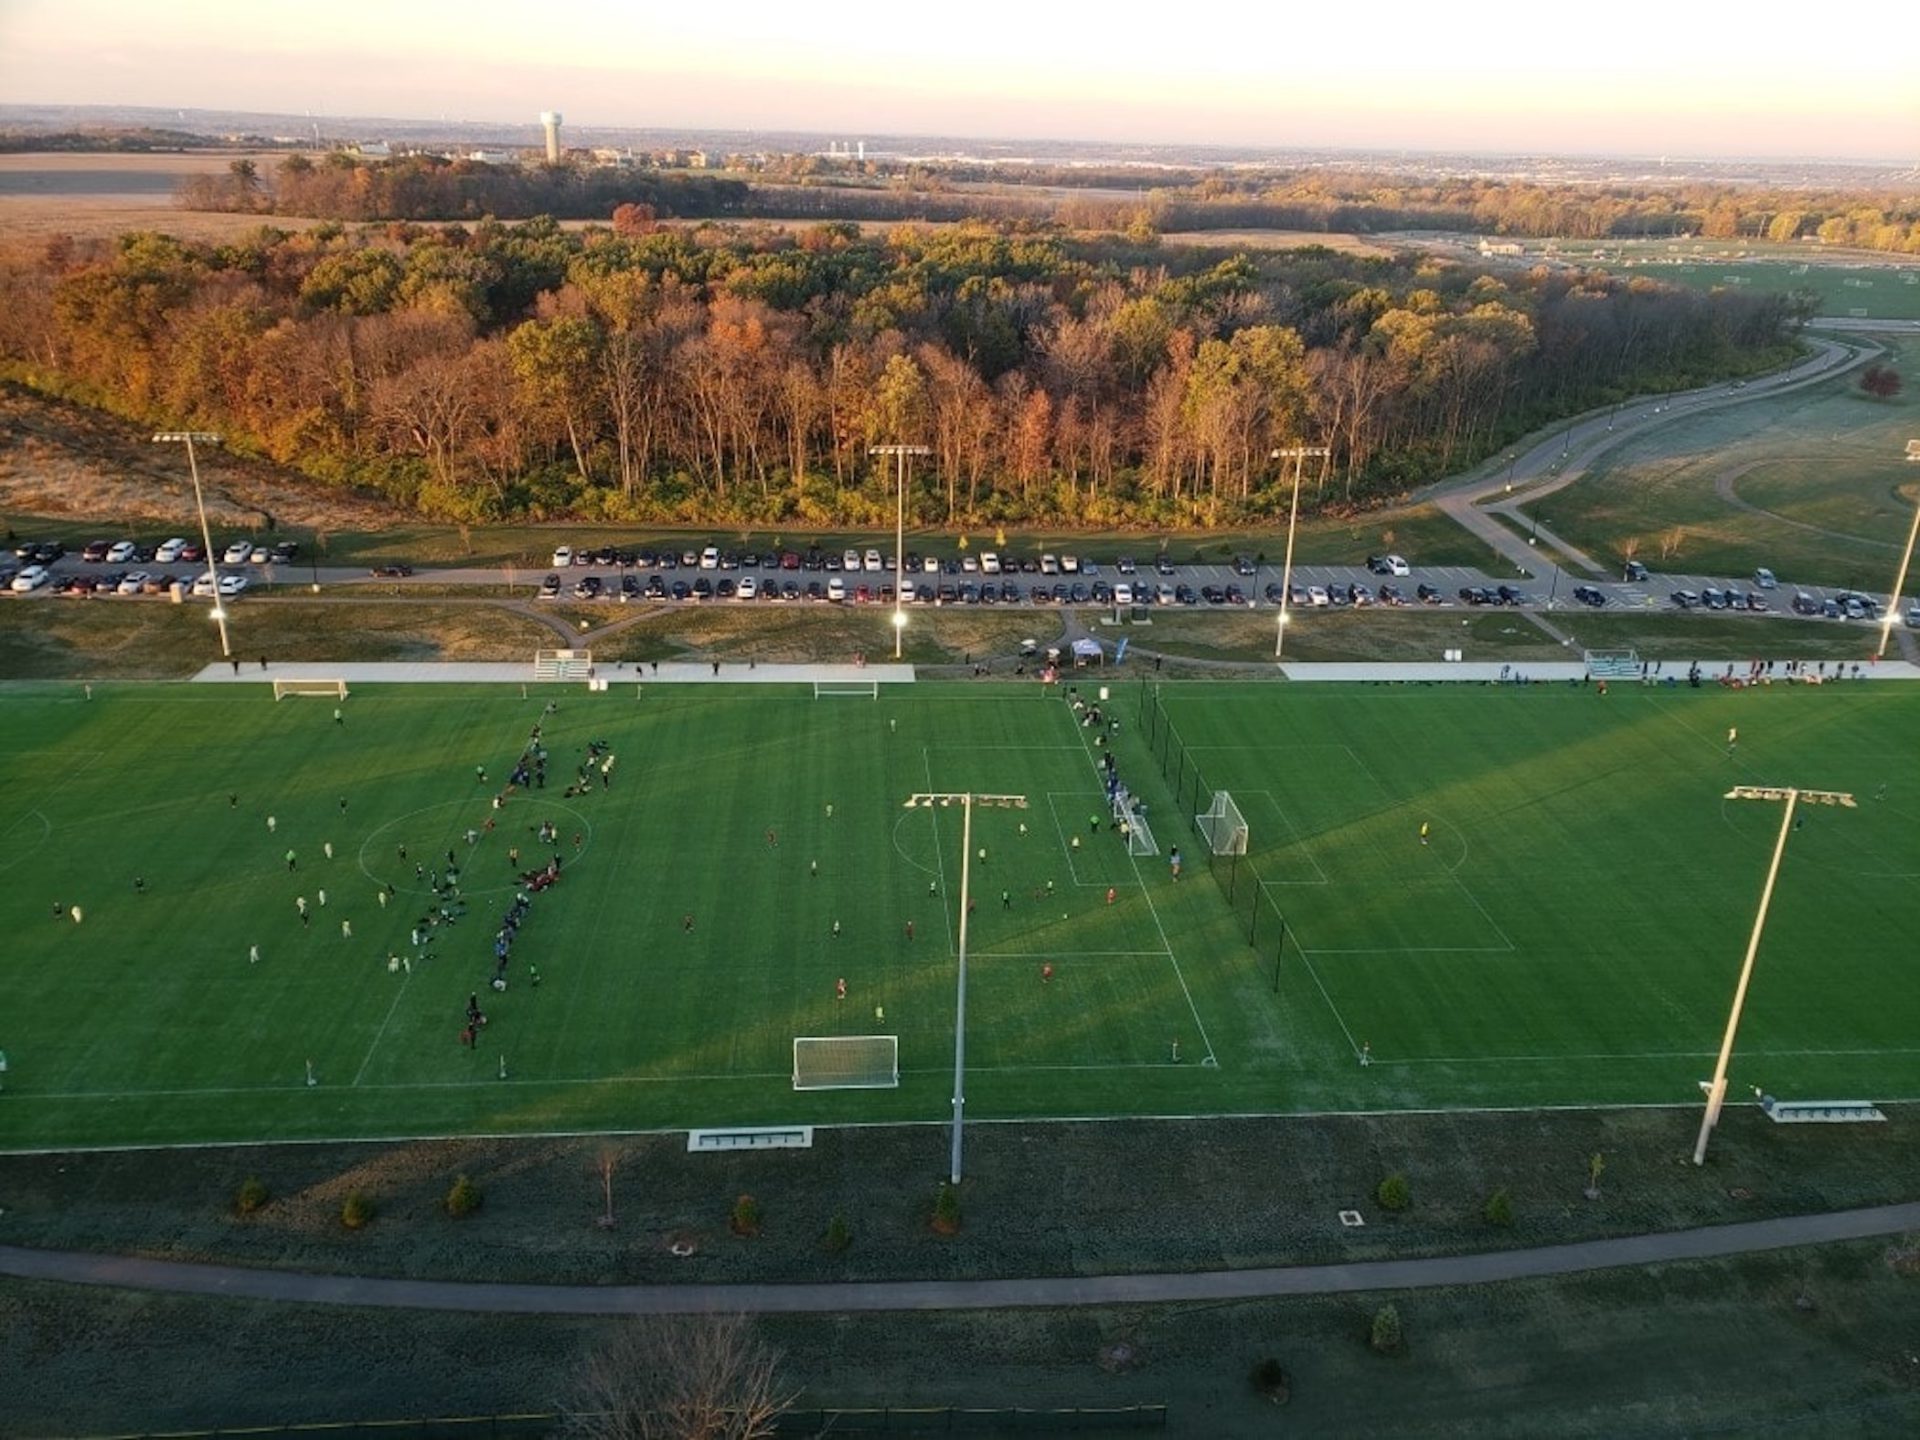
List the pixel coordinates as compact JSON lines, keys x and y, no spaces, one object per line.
{"x":859,"y":689}
{"x":1222,"y":826}
{"x":337,"y":689}
{"x":846,"y":1062}
{"x":562,"y":664}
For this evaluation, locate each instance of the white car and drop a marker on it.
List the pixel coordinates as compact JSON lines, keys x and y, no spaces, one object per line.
{"x":1049,"y":565}
{"x":970,"y":564}
{"x":710,"y":558}
{"x":238,"y":552}
{"x":121,"y":551}
{"x":930,"y":565}
{"x":134,"y":583}
{"x":203,"y":586}
{"x":872,"y":561}
{"x":169,"y":551}
{"x":1317,"y":595}
{"x":232,"y":585}
{"x":836,"y":589}
{"x":562,"y":556}
{"x":1069,"y":565}
{"x":1765,"y":578}
{"x":1123,"y":593}
{"x":850,"y":560}
{"x":749,"y":588}
{"x":989,"y":563}
{"x":31,"y":578}
{"x":1398,"y":566}
{"x":1165,"y":595}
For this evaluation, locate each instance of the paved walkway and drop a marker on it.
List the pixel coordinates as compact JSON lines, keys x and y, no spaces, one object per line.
{"x":1564,"y":451}
{"x":520,"y":672}
{"x":179,"y":1278}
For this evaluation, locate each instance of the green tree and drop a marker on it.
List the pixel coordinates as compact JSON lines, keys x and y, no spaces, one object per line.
{"x":556,"y":366}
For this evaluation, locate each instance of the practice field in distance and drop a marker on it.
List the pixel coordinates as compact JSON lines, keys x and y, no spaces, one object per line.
{"x":1569,"y":933}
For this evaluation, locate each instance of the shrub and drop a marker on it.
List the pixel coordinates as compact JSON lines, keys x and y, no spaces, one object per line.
{"x":463,"y":1198}
{"x":745,"y":1219}
{"x":252,"y":1195}
{"x":1385,"y":1336}
{"x":1269,"y":1377}
{"x":1394,"y":1193}
{"x":1499,"y":1209}
{"x":946,"y":1209}
{"x":838,"y":1236}
{"x":356,"y":1211}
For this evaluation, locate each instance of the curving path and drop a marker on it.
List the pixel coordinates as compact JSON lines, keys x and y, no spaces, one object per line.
{"x":1711,"y":1242}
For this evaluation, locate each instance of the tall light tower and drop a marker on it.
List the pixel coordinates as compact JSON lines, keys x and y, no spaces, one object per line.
{"x":966,"y":800}
{"x":187,"y":438}
{"x":1906,"y":558}
{"x":1299,"y":455}
{"x":1717,"y":1088}
{"x":900,"y":454}
{"x":550,"y":122}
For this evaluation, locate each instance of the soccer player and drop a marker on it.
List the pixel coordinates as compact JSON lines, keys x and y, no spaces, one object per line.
{"x":1006,"y":900}
{"x":773,"y":840}
{"x":1111,"y":893}
{"x":323,"y":899}
{"x":272,"y":824}
{"x":840,"y":988}
{"x":253,"y":954}
{"x":933,"y":887}
{"x":290,"y":862}
{"x":836,"y":928}
{"x":1046,"y":973}
{"x":346,"y":929}
{"x":338,"y":718}
{"x":1733,"y":739}
{"x":909,"y":932}
{"x":326,"y":848}
{"x":78,"y":914}
{"x":829,"y":811}
{"x":1423,"y":832}
{"x":686,"y":923}
{"x":1173,"y":861}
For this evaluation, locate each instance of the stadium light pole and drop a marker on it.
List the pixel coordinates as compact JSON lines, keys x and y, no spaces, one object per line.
{"x":966,"y":799}
{"x":1299,"y":455}
{"x":187,"y":438}
{"x":1717,"y":1088}
{"x":1906,"y":558}
{"x":900,"y":454}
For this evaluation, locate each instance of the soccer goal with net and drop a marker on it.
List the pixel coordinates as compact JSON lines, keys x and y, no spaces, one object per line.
{"x":562,"y":664}
{"x":1222,"y":826}
{"x":1140,"y":840}
{"x":337,"y":689}
{"x":857,"y":689}
{"x":846,"y":1062}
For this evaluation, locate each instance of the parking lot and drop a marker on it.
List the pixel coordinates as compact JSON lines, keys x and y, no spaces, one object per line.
{"x":710,"y":574}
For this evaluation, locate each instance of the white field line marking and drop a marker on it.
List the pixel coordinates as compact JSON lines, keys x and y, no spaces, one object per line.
{"x":1211,"y":1058}
{"x":1157,"y":1118}
{"x":1409,"y":950}
{"x":939,"y":858}
{"x":1305,"y":959}
{"x":1066,"y":845}
{"x":35,"y":846}
{"x":905,"y":816}
{"x":1296,"y":838}
{"x":1065,"y":954}
{"x":1648,"y":1055}
{"x":381,"y":1033}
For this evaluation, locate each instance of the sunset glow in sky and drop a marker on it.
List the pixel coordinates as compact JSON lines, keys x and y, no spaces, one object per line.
{"x":1630,"y":76}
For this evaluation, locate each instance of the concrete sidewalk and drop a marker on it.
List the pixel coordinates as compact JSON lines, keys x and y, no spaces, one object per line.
{"x":618,"y":676}
{"x":1711,"y":1242}
{"x":1484,"y":672}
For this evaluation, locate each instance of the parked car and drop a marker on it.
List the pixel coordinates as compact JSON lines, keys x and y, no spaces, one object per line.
{"x":232,"y":585}
{"x":1634,"y":571}
{"x":1243,"y":565}
{"x":1763,"y":577}
{"x":31,"y":578}
{"x":587,"y":587}
{"x":1589,"y":595}
{"x":168,"y":552}
{"x":1392,"y":595}
{"x":837,"y":588}
{"x":285,"y":551}
{"x":550,"y":587}
{"x":1429,"y":594}
{"x":1685,"y":599}
{"x":1757,"y":601}
{"x":236,"y":553}
{"x":1163,"y":565}
{"x":204,"y":586}
{"x":121,"y":551}
{"x":392,"y":572}
{"x":1805,"y":604}
{"x":1125,"y":566}
{"x":1317,"y":596}
{"x":749,"y":588}
{"x":96,"y":551}
{"x":133,"y":584}
{"x":1913,"y":617}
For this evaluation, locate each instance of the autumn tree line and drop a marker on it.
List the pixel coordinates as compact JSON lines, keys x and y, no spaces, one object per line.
{"x":342,"y":186}
{"x":740,"y":373}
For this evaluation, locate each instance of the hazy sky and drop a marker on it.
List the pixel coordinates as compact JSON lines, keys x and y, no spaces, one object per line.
{"x":1642,"y":76}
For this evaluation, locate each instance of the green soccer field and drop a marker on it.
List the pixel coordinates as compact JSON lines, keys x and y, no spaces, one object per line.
{"x":1569,"y":934}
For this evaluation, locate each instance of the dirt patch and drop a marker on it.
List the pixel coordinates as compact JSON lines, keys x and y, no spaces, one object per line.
{"x":59,"y":459}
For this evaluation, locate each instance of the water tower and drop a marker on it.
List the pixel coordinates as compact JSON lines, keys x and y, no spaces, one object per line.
{"x":550,"y":122}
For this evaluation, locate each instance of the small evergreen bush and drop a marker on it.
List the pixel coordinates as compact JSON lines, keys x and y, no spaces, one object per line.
{"x":838,"y":1236}
{"x":1269,"y":1377}
{"x":946,"y":1209}
{"x":1499,"y":1210}
{"x":463,"y":1198}
{"x":356,"y":1211}
{"x":252,"y":1195}
{"x":1386,"y":1337}
{"x":745,"y":1219}
{"x":1394,"y":1193}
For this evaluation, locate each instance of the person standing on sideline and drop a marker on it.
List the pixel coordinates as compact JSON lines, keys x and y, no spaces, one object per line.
{"x":290,"y":862}
{"x":1173,"y":861}
{"x":909,"y":932}
{"x":1111,"y":892}
{"x":78,"y":914}
{"x":338,"y":718}
{"x":1006,"y":900}
{"x":840,"y":988}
